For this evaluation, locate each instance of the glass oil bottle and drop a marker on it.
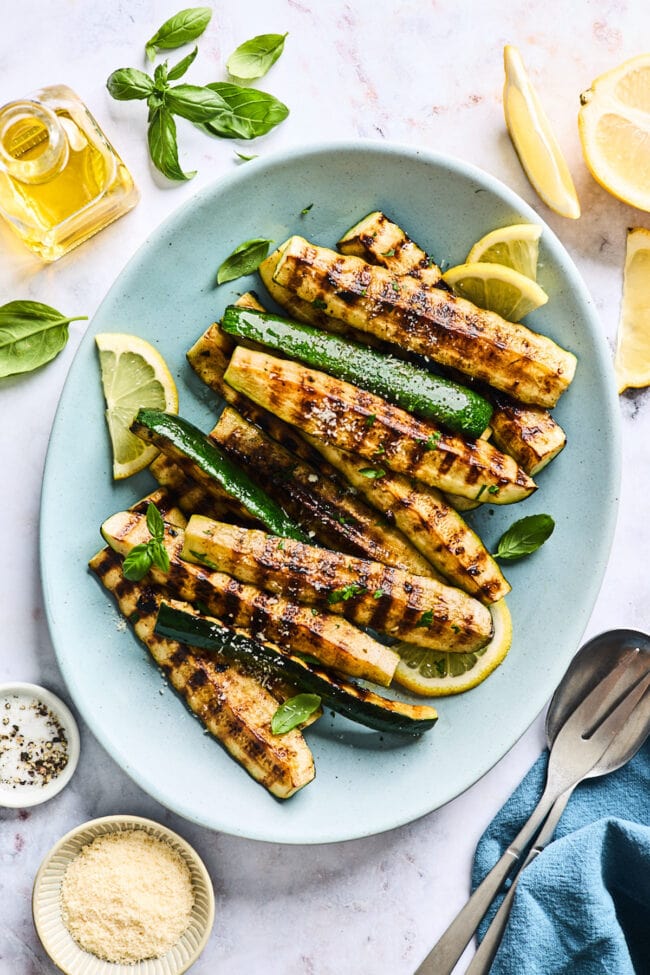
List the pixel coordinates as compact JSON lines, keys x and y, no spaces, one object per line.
{"x":61,"y":180}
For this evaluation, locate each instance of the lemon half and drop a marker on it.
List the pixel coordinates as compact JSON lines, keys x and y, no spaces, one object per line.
{"x":134,"y":375}
{"x":434,"y":673}
{"x":534,"y":141}
{"x":496,"y":288}
{"x":516,"y":246}
{"x":614,"y":127}
{"x":632,"y":360}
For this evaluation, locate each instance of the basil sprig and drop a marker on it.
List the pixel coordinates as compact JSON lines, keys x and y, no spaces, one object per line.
{"x":141,"y":557}
{"x":183,"y":27}
{"x":223,"y":109}
{"x":244,"y":259}
{"x":293,"y":712}
{"x":524,"y":536}
{"x":253,"y":58}
{"x":31,"y":334}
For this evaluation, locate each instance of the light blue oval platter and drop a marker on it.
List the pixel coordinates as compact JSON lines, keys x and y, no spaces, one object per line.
{"x":365,"y":782}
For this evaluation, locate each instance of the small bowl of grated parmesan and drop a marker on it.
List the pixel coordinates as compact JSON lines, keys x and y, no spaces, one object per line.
{"x":39,"y":745}
{"x":123,"y":894}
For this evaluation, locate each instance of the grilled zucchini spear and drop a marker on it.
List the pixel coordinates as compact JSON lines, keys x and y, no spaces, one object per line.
{"x":327,"y":509}
{"x":390,"y":601}
{"x":430,"y":397}
{"x":433,"y":526}
{"x":428,"y":321}
{"x":354,"y":702}
{"x":232,"y":703}
{"x":209,"y":357}
{"x":353,"y":419}
{"x":335,"y":642}
{"x":527,"y":433}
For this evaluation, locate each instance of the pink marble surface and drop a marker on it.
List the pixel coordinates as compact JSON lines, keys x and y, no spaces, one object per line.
{"x":427,"y":73}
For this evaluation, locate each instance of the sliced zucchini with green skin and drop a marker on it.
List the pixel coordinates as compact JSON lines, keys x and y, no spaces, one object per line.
{"x":356,"y":703}
{"x":206,"y":463}
{"x":345,"y":416}
{"x":380,"y":241}
{"x":325,"y":506}
{"x":387,"y":600}
{"x":428,"y":396}
{"x":527,"y":433}
{"x":454,"y":332}
{"x":433,"y":526}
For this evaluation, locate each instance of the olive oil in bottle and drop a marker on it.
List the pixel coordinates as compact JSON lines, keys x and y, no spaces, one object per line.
{"x":60,"y":178}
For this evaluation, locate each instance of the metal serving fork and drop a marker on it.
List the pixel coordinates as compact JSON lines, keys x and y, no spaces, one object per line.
{"x":579,"y":745}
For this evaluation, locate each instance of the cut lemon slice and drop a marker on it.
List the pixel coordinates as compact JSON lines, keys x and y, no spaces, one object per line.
{"x":496,"y":288}
{"x":434,"y":673}
{"x":134,"y":375}
{"x":516,"y":247}
{"x":614,"y":127}
{"x":632,"y":360}
{"x":533,"y":138}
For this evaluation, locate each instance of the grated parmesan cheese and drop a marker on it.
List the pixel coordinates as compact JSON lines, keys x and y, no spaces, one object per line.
{"x":127,"y":896}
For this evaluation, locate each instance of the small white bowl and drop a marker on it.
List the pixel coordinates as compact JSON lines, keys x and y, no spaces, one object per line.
{"x":59,"y":944}
{"x":21,"y":796}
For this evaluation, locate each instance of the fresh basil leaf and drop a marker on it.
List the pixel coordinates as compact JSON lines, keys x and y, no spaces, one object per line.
{"x":159,"y":554}
{"x":251,"y":113}
{"x":155,"y":522}
{"x":160,"y":78}
{"x":163,"y":147}
{"x":155,"y":102}
{"x":31,"y":334}
{"x":293,"y":712}
{"x":253,"y":58}
{"x":244,"y":259}
{"x":194,"y":103}
{"x":183,"y":27}
{"x":137,"y":563}
{"x":524,"y":536}
{"x":179,"y":69}
{"x":126,"y":84}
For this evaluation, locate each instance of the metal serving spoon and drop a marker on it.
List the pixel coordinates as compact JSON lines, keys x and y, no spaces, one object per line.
{"x":589,"y":665}
{"x":605,"y":668}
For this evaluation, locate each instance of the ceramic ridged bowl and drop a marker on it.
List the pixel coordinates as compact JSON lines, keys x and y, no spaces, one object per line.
{"x":57,"y":940}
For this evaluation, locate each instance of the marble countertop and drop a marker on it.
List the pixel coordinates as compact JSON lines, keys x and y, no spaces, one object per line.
{"x":423,"y":73}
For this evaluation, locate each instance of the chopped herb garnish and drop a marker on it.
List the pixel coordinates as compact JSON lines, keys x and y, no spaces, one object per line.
{"x":372,"y":472}
{"x":281,"y":544}
{"x":395,"y":285}
{"x":426,"y":619}
{"x":455,"y":627}
{"x":480,"y":492}
{"x":380,"y":449}
{"x":293,"y":712}
{"x":363,"y":292}
{"x":389,"y":253}
{"x":432,"y":441}
{"x":306,"y":209}
{"x":204,"y":560}
{"x":343,"y":520}
{"x":347,"y":592}
{"x":318,"y":303}
{"x":369,"y":420}
{"x":314,"y":611}
{"x":493,"y":489}
{"x":378,"y":593}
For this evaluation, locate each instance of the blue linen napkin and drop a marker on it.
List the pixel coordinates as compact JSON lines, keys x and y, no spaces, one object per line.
{"x":583,"y":906}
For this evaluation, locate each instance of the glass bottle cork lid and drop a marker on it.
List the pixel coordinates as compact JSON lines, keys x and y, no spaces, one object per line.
{"x":33,"y":145}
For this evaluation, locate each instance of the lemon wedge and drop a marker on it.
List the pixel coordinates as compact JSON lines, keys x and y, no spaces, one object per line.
{"x":516,"y":246}
{"x":614,"y":127}
{"x":134,"y":375}
{"x":434,"y":673}
{"x":534,"y":140}
{"x":632,"y":360}
{"x":496,"y":288}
